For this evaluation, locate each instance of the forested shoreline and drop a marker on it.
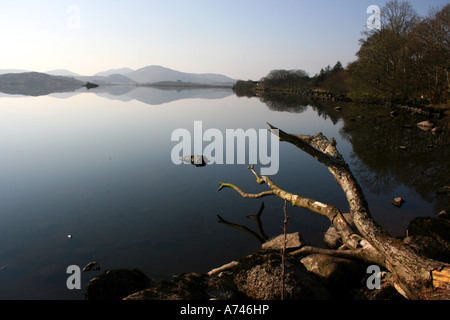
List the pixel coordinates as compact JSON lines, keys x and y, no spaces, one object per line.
{"x":406,"y":61}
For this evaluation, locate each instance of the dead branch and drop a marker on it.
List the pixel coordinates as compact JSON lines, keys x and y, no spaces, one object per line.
{"x":415,"y":276}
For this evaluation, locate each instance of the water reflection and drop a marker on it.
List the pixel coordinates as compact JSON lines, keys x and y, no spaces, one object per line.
{"x":389,"y":148}
{"x":96,"y":165}
{"x":260,"y":235}
{"x":147,"y":95}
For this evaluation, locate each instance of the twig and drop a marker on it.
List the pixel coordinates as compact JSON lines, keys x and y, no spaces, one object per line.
{"x":286,"y":218}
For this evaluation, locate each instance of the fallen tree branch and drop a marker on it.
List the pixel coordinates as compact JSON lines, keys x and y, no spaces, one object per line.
{"x":415,"y":276}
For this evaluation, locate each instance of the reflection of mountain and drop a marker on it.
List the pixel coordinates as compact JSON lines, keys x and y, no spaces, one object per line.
{"x":155,"y":96}
{"x":36,"y":84}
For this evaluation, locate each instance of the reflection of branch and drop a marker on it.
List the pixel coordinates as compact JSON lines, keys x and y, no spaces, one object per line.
{"x":257,"y":218}
{"x":330,"y":211}
{"x":261,"y":236}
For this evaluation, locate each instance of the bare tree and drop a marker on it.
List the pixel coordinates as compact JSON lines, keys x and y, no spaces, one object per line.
{"x":399,"y":17}
{"x":415,"y":276}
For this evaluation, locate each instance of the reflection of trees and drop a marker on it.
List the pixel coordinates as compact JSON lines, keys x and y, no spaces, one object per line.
{"x":377,"y":137}
{"x":285,"y":102}
{"x":380,"y":181}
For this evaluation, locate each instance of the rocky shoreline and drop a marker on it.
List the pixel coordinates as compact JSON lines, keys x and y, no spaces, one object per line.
{"x":315,"y":276}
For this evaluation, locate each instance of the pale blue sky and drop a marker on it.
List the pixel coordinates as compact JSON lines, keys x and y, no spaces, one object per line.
{"x":244,"y":39}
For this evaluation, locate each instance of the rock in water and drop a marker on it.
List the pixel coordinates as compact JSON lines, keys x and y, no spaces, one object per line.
{"x":198,"y":161}
{"x":398,"y":202}
{"x":425,"y":125}
{"x":437,"y":130}
{"x":91,"y":266}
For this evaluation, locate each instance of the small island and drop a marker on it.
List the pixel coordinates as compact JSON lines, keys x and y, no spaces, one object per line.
{"x":90,"y":85}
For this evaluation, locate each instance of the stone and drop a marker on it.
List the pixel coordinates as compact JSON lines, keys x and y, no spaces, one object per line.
{"x":398,"y":201}
{"x":430,"y":236}
{"x":437,"y":130}
{"x":339,"y":275}
{"x":445,"y":190}
{"x":116,"y":284}
{"x":331,"y":237}
{"x":394,"y":113}
{"x":92,"y":266}
{"x":293,"y":241}
{"x":444,"y":214}
{"x":425,"y":125}
{"x":259,"y":277}
{"x":190,"y":286}
{"x":386,"y":291}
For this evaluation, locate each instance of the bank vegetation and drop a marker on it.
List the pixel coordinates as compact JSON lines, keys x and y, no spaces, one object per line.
{"x":406,"y":61}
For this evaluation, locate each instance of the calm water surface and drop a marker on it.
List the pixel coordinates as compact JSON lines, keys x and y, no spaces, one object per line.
{"x":97,"y":166}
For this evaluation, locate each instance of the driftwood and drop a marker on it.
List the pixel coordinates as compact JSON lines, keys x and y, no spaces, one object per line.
{"x":415,"y":276}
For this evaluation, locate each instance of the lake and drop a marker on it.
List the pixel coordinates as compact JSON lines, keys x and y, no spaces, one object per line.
{"x":97,"y":166}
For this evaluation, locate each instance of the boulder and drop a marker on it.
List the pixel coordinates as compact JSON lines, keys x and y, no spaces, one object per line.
{"x":259,"y":277}
{"x":337,"y":274}
{"x":191,"y":286}
{"x":186,"y":286}
{"x":430,"y":236}
{"x":293,"y":241}
{"x":386,"y":291}
{"x":116,"y":284}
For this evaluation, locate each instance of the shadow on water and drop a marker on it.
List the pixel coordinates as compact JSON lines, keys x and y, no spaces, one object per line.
{"x":389,"y":148}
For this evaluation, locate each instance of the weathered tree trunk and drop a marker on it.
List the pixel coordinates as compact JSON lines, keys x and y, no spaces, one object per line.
{"x":415,"y":276}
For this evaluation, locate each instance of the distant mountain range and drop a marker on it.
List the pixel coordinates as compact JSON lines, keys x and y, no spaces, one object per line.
{"x":15,"y":81}
{"x":146,"y":75}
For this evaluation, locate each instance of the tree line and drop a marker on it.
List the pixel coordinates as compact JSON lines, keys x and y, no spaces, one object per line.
{"x":405,"y":61}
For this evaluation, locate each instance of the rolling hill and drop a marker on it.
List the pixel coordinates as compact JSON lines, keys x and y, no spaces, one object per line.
{"x":153,"y":74}
{"x":36,"y":84}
